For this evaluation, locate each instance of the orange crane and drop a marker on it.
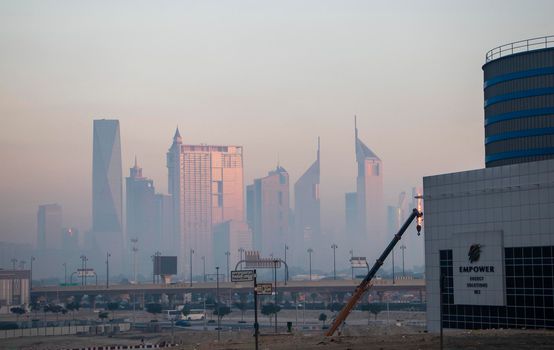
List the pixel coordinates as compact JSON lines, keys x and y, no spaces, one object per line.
{"x":365,"y":284}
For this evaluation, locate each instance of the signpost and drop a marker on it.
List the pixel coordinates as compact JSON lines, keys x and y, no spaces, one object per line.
{"x":243,"y":275}
{"x":264,"y":289}
{"x":88,"y":272}
{"x":250,"y":276}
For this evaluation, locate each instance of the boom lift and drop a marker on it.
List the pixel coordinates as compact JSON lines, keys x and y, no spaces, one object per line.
{"x":365,"y":284}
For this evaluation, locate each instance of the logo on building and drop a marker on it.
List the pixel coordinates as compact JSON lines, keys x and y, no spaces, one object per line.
{"x":474,"y":253}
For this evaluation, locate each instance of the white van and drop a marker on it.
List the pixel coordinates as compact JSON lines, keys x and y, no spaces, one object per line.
{"x":174,"y":315}
{"x":195,"y":315}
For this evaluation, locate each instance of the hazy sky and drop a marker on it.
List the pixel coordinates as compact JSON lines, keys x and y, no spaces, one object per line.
{"x":268,"y":75}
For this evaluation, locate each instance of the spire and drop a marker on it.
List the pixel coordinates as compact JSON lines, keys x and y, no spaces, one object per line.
{"x":136,"y":163}
{"x":177,"y":137}
{"x":318,"y":148}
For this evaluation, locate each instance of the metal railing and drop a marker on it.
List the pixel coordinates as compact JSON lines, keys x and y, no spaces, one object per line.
{"x":543,"y":42}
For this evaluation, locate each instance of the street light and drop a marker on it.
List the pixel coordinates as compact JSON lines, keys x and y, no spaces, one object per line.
{"x":31,"y":277}
{"x":228,"y":254}
{"x":241,"y":251}
{"x":191,"y":253}
{"x":286,"y":270}
{"x":108,"y":269}
{"x":83,"y":269}
{"x":14,"y":261}
{"x":403,"y":247}
{"x":352,"y":257}
{"x":310,"y":251}
{"x":334,"y":247}
{"x":65,"y":273}
{"x":217,"y":303}
{"x":204,"y":267}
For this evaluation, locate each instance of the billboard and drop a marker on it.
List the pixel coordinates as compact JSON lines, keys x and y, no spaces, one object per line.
{"x":165,"y":265}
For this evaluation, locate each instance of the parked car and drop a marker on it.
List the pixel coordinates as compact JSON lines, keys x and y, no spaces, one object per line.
{"x":183,"y":323}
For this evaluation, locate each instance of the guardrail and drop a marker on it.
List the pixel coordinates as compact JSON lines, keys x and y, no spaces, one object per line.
{"x":63,"y":330}
{"x":542,"y":42}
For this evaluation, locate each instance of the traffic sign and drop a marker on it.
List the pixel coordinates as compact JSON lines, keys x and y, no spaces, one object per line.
{"x":264,"y":288}
{"x":242,"y":275}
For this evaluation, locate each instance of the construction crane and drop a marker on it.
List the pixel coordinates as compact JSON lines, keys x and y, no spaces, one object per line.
{"x":365,"y":284}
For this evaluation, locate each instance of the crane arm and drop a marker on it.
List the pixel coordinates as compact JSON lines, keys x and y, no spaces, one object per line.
{"x":365,"y":284}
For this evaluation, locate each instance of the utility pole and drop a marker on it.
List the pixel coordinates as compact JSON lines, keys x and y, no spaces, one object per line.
{"x":135,"y":249}
{"x":14,"y":261}
{"x":241,"y":251}
{"x":334,"y":247}
{"x":83,"y":259}
{"x":310,"y":251}
{"x":403,"y":247}
{"x":352,"y":257}
{"x":65,"y":273}
{"x":204,"y":267}
{"x":275,"y":262}
{"x":108,"y":269}
{"x":286,"y":269}
{"x":218,"y":306}
{"x":228,"y":254}
{"x":191,"y":253}
{"x":31,"y":277}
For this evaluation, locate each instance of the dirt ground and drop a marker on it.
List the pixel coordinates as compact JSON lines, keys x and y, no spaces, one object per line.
{"x":379,"y":337}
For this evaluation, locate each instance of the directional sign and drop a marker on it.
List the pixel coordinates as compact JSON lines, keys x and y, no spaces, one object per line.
{"x":264,"y":288}
{"x":358,"y":262}
{"x":242,"y":275}
{"x":86,"y":272}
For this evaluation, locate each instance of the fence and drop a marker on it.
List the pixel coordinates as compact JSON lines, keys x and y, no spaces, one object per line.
{"x":64,"y":330}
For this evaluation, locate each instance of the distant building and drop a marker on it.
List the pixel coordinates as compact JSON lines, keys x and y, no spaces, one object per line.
{"x":307,"y":208}
{"x":141,"y":210}
{"x":49,"y":226}
{"x":351,"y":218}
{"x":106,"y":177}
{"x":107,"y":196}
{"x":230,"y":236}
{"x":369,"y":190}
{"x":268,"y":211}
{"x":70,"y":239}
{"x":206,"y":184}
{"x":169,"y":243}
{"x":14,"y":288}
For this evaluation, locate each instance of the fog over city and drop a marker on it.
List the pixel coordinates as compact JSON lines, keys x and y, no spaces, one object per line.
{"x":272,"y":77}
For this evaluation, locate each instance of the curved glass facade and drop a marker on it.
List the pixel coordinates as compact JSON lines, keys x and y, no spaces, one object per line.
{"x":519,"y":107}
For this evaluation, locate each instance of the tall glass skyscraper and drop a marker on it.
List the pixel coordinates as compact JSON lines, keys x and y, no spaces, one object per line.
{"x":106,"y":177}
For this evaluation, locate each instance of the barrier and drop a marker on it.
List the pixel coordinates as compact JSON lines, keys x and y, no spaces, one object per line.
{"x":63,"y":330}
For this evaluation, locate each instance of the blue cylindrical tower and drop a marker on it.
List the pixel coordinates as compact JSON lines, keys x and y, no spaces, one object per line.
{"x":519,"y":102}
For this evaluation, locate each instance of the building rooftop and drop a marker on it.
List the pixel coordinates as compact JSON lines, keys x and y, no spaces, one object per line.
{"x":543,"y":42}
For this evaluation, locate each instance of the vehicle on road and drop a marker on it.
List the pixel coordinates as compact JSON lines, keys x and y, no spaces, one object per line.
{"x":183,"y":323}
{"x":195,"y":315}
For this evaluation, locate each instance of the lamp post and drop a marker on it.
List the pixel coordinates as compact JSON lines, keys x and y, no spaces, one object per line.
{"x":351,"y":266}
{"x":83,"y":272}
{"x":108,"y":269}
{"x":65,"y":273}
{"x":14,"y":261}
{"x":228,"y":254}
{"x":241,"y":252}
{"x":286,"y":270}
{"x":31,"y":276}
{"x":217,"y":304}
{"x":310,"y":251}
{"x":334,"y":247}
{"x":204,"y":267}
{"x":191,"y":253}
{"x":403,"y":247}
{"x":135,"y":249}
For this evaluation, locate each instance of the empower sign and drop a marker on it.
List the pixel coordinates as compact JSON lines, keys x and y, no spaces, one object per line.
{"x":478,"y":268}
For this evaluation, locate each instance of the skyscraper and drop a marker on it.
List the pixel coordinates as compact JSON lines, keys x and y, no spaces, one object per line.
{"x":351,"y":218}
{"x":307,"y":218}
{"x":141,"y":209}
{"x":268,"y":211}
{"x":106,"y":178}
{"x":369,"y":194}
{"x":206,"y":184}
{"x":49,"y":227}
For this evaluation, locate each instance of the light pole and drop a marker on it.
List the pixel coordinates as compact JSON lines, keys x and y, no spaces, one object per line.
{"x":351,"y":266}
{"x":83,"y":267}
{"x":310,"y":251}
{"x":275,"y":262}
{"x":217,"y":303}
{"x":108,"y":269}
{"x":334,"y":247}
{"x":228,"y":254}
{"x":393,"y":266}
{"x":191,"y":253}
{"x":403,"y":247}
{"x":135,"y":249}
{"x":31,"y":277}
{"x":241,"y":252}
{"x":155,"y":267}
{"x":65,"y":273}
{"x":14,"y":261}
{"x":286,"y":270}
{"x":204,"y":267}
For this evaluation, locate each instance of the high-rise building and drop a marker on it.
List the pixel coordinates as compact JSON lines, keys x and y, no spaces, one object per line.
{"x":169,"y":243}
{"x":206,"y":184}
{"x":106,"y":178}
{"x":230,"y":236}
{"x":351,"y":218}
{"x":369,"y":194}
{"x":307,"y":208}
{"x":268,"y":211}
{"x":49,"y":227}
{"x":141,"y":210}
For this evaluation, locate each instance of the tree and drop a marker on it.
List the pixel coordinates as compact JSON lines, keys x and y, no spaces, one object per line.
{"x":73,"y":306}
{"x":221,"y":311}
{"x":55,"y":309}
{"x":113,"y":306}
{"x":313,"y":296}
{"x":186,"y":309}
{"x":334,"y":307}
{"x":270,"y":309}
{"x":103,"y":316}
{"x":373,"y":308}
{"x":322,"y":317}
{"x":242,"y":305}
{"x":154,"y":308}
{"x":18,"y":310}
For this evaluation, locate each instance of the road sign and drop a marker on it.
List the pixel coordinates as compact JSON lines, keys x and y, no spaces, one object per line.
{"x":242,"y":275}
{"x":264,"y":288}
{"x":358,"y":262}
{"x":86,"y":272}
